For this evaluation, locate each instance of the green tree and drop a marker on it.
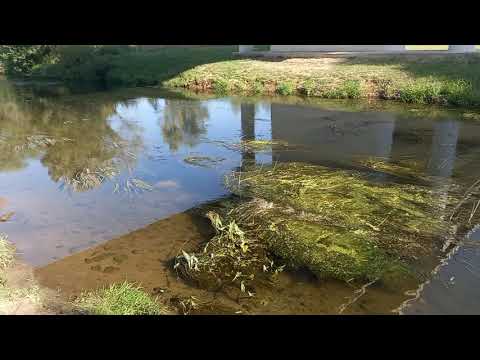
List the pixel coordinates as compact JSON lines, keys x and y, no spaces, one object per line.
{"x":22,"y":59}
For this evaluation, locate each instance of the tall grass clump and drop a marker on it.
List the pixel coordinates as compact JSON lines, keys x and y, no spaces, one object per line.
{"x":119,"y":299}
{"x":285,"y":88}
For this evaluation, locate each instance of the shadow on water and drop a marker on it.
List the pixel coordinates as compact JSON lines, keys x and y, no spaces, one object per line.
{"x":69,"y":164}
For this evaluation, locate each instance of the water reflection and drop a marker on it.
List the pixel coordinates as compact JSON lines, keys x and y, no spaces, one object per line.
{"x":183,"y":123}
{"x":70,"y":139}
{"x":54,"y":138}
{"x":248,"y":131}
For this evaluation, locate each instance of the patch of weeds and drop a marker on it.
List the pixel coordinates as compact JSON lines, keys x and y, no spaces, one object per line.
{"x":350,"y":89}
{"x":459,"y":93}
{"x":421,"y":93}
{"x":257,"y":87}
{"x":232,"y":258}
{"x":120,"y":299}
{"x":7,"y":252}
{"x":285,"y":88}
{"x":220,"y":86}
{"x":308,"y":88}
{"x":385,"y":89}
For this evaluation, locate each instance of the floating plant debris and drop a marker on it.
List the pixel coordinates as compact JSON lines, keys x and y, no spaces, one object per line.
{"x":203,"y":161}
{"x":87,"y":179}
{"x":132,"y":186}
{"x":257,"y":145}
{"x":6,"y":217}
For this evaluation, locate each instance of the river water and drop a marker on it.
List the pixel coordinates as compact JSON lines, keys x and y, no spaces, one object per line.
{"x":161,"y":153}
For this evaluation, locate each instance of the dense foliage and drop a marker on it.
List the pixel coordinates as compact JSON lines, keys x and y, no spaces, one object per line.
{"x":23,"y":59}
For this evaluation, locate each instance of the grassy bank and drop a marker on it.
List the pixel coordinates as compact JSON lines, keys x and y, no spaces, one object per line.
{"x":129,"y":67}
{"x":429,"y":80}
{"x":446,"y":80}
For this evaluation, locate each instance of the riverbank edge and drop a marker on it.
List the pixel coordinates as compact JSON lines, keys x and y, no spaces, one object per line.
{"x":449,"y":80}
{"x":21,"y":294}
{"x":378,"y":79}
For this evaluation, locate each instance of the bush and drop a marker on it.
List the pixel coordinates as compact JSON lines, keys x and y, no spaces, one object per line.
{"x":81,"y":63}
{"x":23,"y":59}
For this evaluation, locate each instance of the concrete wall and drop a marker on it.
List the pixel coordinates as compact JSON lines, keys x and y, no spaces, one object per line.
{"x":359,"y":48}
{"x":337,"y":48}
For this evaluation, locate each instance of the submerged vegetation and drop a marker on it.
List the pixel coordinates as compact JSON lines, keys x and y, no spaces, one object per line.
{"x":339,"y":224}
{"x":231,"y":258}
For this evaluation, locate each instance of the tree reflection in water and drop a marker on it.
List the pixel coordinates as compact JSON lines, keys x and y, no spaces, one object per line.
{"x":183,"y":123}
{"x":73,"y":137}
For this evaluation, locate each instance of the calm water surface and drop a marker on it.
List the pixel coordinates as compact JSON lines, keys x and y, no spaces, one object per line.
{"x":173,"y":145}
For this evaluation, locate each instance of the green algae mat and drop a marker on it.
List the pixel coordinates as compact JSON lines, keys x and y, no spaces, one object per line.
{"x":348,"y":225}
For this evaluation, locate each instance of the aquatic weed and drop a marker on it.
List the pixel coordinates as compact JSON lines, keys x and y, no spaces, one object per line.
{"x":231,"y":258}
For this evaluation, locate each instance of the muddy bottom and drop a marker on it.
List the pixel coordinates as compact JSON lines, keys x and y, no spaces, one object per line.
{"x":144,"y":256}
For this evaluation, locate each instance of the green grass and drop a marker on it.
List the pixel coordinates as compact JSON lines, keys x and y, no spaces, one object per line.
{"x":132,"y":67}
{"x":446,"y":80}
{"x":120,"y":299}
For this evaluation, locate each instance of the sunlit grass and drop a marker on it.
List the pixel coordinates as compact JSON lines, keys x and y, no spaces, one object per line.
{"x":120,"y":299}
{"x":446,"y":80}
